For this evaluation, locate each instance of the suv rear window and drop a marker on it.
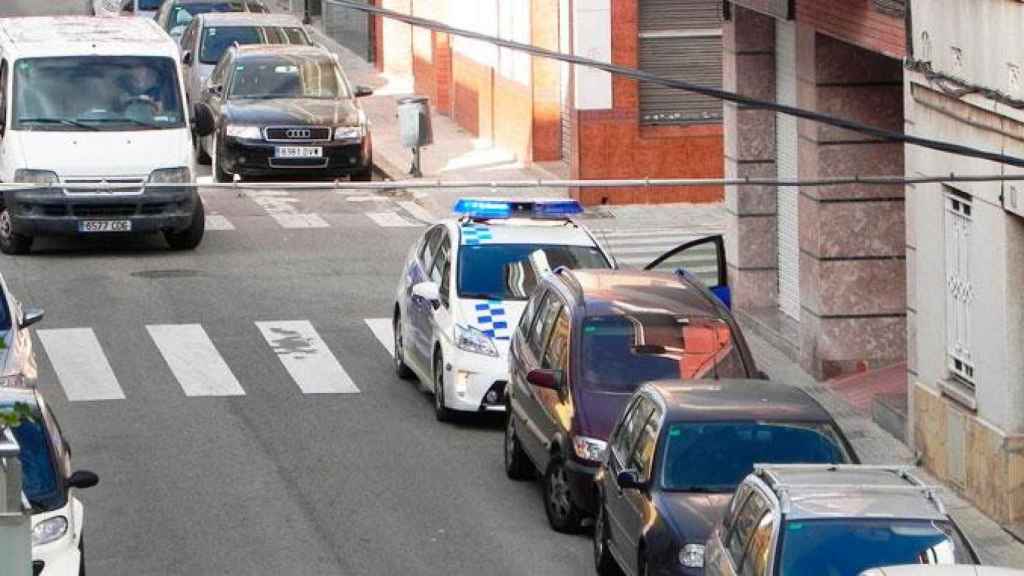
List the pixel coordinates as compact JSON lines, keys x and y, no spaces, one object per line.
{"x":621,"y":351}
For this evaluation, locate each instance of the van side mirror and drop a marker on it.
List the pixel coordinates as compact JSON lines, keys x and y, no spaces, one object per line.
{"x":186,"y":58}
{"x":202,"y":120}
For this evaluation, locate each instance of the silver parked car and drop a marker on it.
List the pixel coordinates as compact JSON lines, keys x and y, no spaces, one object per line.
{"x":17,"y":360}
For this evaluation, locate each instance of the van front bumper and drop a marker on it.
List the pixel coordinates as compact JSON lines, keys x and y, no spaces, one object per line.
{"x":51,"y":212}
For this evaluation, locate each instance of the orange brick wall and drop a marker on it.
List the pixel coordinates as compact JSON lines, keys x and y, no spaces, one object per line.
{"x":856,"y":22}
{"x":513,"y":113}
{"x":613,"y":144}
{"x":473,"y":85}
{"x":547,"y":124}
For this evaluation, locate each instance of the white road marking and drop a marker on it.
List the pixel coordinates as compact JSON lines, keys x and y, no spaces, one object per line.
{"x":365,"y":198}
{"x":81,"y":366}
{"x":307,"y":358}
{"x":418,"y":212}
{"x":384,"y":332}
{"x":281,"y":207}
{"x":195,"y":362}
{"x":390,"y":220}
{"x":218,"y":222}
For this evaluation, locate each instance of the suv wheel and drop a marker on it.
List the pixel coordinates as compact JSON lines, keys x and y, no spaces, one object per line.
{"x":190,"y":237}
{"x":441,"y":410}
{"x":517,"y":463}
{"x":603,"y":560}
{"x":11,"y":243}
{"x":402,"y":369}
{"x":563,"y":515}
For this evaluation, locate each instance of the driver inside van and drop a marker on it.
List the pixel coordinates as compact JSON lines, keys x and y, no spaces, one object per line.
{"x":142,"y":86}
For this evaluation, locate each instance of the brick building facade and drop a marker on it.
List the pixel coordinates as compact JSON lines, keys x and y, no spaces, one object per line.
{"x":546,"y":111}
{"x":821,"y":269}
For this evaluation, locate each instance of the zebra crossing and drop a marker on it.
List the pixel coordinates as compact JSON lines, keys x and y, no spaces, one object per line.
{"x":635,"y":248}
{"x":84,"y":371}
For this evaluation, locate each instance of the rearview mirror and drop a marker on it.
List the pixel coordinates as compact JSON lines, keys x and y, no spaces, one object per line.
{"x":83,"y":479}
{"x":428,"y":291}
{"x":550,"y":379}
{"x":202,"y":120}
{"x":31,"y":316}
{"x":186,"y":58}
{"x":629,"y":480}
{"x":363,"y":91}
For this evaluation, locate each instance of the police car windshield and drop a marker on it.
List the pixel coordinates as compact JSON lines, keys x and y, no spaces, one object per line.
{"x":113,"y":93}
{"x":482,"y":267}
{"x":622,"y":351}
{"x":847,"y":547}
{"x":38,"y":472}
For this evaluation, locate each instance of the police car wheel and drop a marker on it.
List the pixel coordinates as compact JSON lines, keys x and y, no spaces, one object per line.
{"x":441,"y":410}
{"x":402,"y":369}
{"x":10,"y":242}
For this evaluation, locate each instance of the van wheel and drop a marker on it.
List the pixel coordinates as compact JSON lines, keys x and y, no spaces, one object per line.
{"x":563,"y":515}
{"x":190,"y":237}
{"x":11,"y":243}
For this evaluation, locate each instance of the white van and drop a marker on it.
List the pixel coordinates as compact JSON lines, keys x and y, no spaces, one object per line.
{"x":95,"y":101}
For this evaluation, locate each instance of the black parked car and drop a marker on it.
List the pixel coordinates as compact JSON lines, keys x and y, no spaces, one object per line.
{"x":286,"y":110}
{"x":677,"y":455}
{"x":586,"y":341}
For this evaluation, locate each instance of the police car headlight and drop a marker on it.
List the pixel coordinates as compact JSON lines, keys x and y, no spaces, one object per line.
{"x":246,"y":132}
{"x":349,"y":132}
{"x":180,"y":175}
{"x":472,"y":340}
{"x":49,"y":530}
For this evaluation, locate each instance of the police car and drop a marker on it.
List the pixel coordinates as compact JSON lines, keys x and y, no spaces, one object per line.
{"x":464,"y":286}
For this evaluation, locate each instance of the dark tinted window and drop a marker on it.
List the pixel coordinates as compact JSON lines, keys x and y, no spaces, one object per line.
{"x":743,"y":527}
{"x":642,"y":457}
{"x":526,"y":321}
{"x":755,"y":562}
{"x":149,"y":4}
{"x":482,"y":267}
{"x":556,"y":356}
{"x":620,"y":352}
{"x":429,"y":247}
{"x":846,"y":547}
{"x":630,"y":430}
{"x":717,"y":456}
{"x":278,"y":35}
{"x":439,"y":265}
{"x":542,"y":326}
{"x":38,"y":470}
{"x":217,"y":39}
{"x":5,"y":316}
{"x":316,"y":78}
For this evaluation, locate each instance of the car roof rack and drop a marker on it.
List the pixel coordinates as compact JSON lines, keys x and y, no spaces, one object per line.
{"x":783,"y":490}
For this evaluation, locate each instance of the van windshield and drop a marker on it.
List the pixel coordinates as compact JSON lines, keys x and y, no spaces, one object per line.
{"x":96,"y":93}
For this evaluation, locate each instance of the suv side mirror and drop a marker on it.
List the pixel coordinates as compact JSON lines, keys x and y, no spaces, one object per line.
{"x":629,"y":480}
{"x":83,"y":479}
{"x":363,"y":91}
{"x":428,"y":291}
{"x":186,"y":58}
{"x":31,"y":316}
{"x":202,"y":120}
{"x":550,"y":379}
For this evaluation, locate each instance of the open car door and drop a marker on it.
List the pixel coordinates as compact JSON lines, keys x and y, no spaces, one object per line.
{"x":701,"y":260}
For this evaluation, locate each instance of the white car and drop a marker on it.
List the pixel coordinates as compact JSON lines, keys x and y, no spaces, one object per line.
{"x":49,"y":485}
{"x":460,"y":295}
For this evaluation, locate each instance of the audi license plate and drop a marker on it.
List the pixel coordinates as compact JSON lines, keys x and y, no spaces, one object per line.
{"x":298,"y":152}
{"x":105,"y":226}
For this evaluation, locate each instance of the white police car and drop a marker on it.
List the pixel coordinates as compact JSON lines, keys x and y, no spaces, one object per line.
{"x":461,"y":294}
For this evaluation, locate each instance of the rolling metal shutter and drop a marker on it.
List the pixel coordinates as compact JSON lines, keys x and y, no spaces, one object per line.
{"x":680,"y":39}
{"x":788,"y":198}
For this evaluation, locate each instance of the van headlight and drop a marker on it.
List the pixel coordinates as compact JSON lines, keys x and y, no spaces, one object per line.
{"x":180,"y":175}
{"x":472,"y":340}
{"x":49,"y":530}
{"x":243,"y":132}
{"x":349,"y":132}
{"x":29,"y":176}
{"x":692,"y":556}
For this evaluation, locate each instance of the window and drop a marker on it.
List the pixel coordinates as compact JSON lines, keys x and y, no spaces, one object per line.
{"x":630,"y":429}
{"x":429,"y":247}
{"x":483,"y":268}
{"x":542,"y":327}
{"x":189,"y":37}
{"x":642,"y":457}
{"x":277,"y":35}
{"x":217,"y":39}
{"x":759,"y":551}
{"x":219,"y":74}
{"x":266,"y":78}
{"x":440,"y":263}
{"x":526,"y":321}
{"x":682,"y":40}
{"x":959,"y":287}
{"x":746,"y":521}
{"x":3,"y":94}
{"x":556,"y":357}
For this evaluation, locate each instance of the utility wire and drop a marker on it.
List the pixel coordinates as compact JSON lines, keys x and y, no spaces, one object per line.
{"x":637,"y":74}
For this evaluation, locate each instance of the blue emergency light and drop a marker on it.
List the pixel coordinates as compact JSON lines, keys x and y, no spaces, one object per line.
{"x":500,"y":208}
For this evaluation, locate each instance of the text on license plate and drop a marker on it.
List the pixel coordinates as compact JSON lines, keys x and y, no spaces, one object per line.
{"x":105,"y":226}
{"x":299,"y":152}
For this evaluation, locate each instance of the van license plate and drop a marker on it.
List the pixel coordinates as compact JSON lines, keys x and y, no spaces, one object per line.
{"x":299,"y":152}
{"x":105,"y":226}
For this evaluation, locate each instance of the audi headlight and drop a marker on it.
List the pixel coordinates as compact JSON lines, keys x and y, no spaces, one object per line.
{"x":590,"y":449}
{"x":472,"y":340}
{"x":692,"y":556}
{"x":170,"y":176}
{"x":49,"y":530}
{"x":349,"y":132}
{"x":29,"y":176}
{"x":245,"y":132}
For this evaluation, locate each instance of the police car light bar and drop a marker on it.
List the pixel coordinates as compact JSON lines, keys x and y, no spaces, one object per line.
{"x":500,"y":208}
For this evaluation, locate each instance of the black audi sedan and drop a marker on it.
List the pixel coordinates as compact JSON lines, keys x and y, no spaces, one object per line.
{"x":678,"y":453}
{"x":286,"y":110}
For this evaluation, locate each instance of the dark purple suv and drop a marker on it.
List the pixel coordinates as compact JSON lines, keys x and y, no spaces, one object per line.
{"x":587,"y":340}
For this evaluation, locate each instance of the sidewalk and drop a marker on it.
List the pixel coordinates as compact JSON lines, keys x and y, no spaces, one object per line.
{"x":635,"y":234}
